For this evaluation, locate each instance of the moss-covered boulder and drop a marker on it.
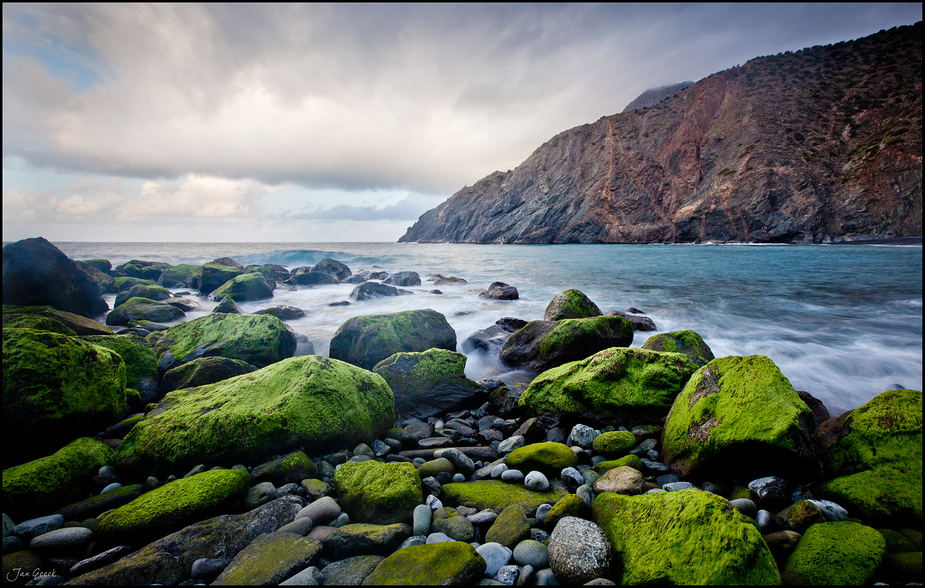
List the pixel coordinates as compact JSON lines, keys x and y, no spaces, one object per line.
{"x":496,"y":496}
{"x":367,"y":340}
{"x":312,"y":402}
{"x":90,"y":508}
{"x":378,"y":493}
{"x":72,"y":323}
{"x":149,"y":291}
{"x":686,"y":342}
{"x":614,"y":442}
{"x":291,"y":468}
{"x":245,"y":287}
{"x":35,"y":272}
{"x":614,"y":385}
{"x":137,"y":308}
{"x":173,"y":506}
{"x":182,"y":274}
{"x":876,"y":456}
{"x":842,"y":553}
{"x":445,"y":564}
{"x":426,"y":383}
{"x":123,"y":283}
{"x":256,"y":339}
{"x":740,"y":415}
{"x":227,"y":305}
{"x":38,"y":487}
{"x":24,"y":320}
{"x":450,"y":522}
{"x":510,"y":528}
{"x":685,"y":537}
{"x":214,"y":275}
{"x":56,"y":388}
{"x":202,"y":371}
{"x":270,"y":559}
{"x":570,"y":505}
{"x":631,"y":461}
{"x":139,"y":358}
{"x":570,"y":304}
{"x":549,"y":458}
{"x":543,"y":345}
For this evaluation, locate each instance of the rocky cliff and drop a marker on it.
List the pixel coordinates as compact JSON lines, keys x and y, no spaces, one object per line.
{"x":653,"y":96}
{"x":824,"y":144}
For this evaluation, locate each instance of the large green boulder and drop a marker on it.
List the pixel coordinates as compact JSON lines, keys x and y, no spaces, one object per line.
{"x":453,"y":563}
{"x":245,"y":287}
{"x":570,"y":304}
{"x":38,"y":487}
{"x":137,"y":308}
{"x":741,"y":416}
{"x":875,"y":456}
{"x":56,"y":388}
{"x":72,"y":323}
{"x":270,"y":559}
{"x":367,"y":340}
{"x":427,"y":383}
{"x":173,"y":506}
{"x":124,"y":283}
{"x":202,"y":371}
{"x":550,"y":458}
{"x":843,"y":553}
{"x":315,"y":403}
{"x":615,"y":385}
{"x":510,"y":528}
{"x":684,"y":537}
{"x":378,"y":493}
{"x":686,"y":342}
{"x":138,"y":355}
{"x":496,"y":495}
{"x":214,"y":275}
{"x":543,"y":345}
{"x":149,"y":291}
{"x":181,"y":274}
{"x":256,"y":339}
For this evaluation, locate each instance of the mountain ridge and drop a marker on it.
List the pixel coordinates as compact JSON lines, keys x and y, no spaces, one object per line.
{"x":818,"y":145}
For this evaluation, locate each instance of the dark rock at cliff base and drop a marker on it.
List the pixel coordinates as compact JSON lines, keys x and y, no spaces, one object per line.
{"x":767,"y":152}
{"x":35,"y":272}
{"x":500,"y":291}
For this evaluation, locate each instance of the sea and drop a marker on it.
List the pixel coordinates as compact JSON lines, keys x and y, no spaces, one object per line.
{"x":843,"y":323}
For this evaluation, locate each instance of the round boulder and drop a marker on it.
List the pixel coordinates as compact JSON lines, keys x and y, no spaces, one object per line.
{"x":578,"y":551}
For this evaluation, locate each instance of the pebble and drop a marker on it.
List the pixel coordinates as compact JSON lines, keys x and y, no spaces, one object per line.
{"x":510,"y":444}
{"x":457,"y":477}
{"x":310,"y":576}
{"x":656,"y":467}
{"x":771,"y":488}
{"x":536,"y":481}
{"x":68,"y":538}
{"x":644,"y":448}
{"x":484,"y":517}
{"x":207,"y":568}
{"x":585,"y":493}
{"x":582,"y":436}
{"x":302,"y":526}
{"x":832,"y":511}
{"x":745,"y":506}
{"x":674,"y":486}
{"x":764,"y":518}
{"x":498,"y":470}
{"x":381,"y":448}
{"x":526,"y":576}
{"x":512,"y":476}
{"x":27,"y":530}
{"x":571,"y":477}
{"x":421,"y":517}
{"x":341,"y":520}
{"x":99,"y":560}
{"x":507,"y":575}
{"x":542,"y":510}
{"x":666,"y":479}
{"x":545,"y":577}
{"x":113,"y":486}
{"x":259,"y":494}
{"x":578,"y":551}
{"x":433,"y":502}
{"x":413,"y":541}
{"x":495,"y":556}
{"x":322,"y":511}
{"x":439,"y":538}
{"x":531,"y":553}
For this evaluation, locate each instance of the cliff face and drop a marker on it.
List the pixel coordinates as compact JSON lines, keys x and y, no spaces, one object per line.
{"x":653,"y":96}
{"x":818,"y":145}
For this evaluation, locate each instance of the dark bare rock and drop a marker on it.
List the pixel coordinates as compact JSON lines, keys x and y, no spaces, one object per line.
{"x":368,"y":290}
{"x":493,"y":337}
{"x":500,"y":291}
{"x":819,"y":145}
{"x":404,"y":279}
{"x":333,"y":267}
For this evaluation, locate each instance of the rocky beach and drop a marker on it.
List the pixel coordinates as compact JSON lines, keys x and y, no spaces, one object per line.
{"x":159,"y":449}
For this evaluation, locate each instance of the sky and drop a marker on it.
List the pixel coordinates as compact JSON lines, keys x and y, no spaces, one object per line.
{"x":333,"y":122}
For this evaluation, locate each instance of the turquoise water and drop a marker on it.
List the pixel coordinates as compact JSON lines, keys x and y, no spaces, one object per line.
{"x":842,"y":322}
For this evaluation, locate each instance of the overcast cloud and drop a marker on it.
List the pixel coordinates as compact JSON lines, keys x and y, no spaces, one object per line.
{"x":280,"y":122}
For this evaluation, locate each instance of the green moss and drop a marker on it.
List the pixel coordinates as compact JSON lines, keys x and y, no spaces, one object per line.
{"x":379,"y":493}
{"x":367,"y":340}
{"x":35,"y":321}
{"x":416,"y":378}
{"x":180,"y":273}
{"x":569,"y":333}
{"x":549,"y":458}
{"x":887,"y":494}
{"x":450,"y":563}
{"x":315,"y":403}
{"x":570,"y":505}
{"x":570,"y":304}
{"x":614,"y":442}
{"x":734,"y":409}
{"x":495,"y":495}
{"x":250,"y":286}
{"x":685,"y":537}
{"x":615,"y":383}
{"x":173,"y":506}
{"x":39,"y":486}
{"x":256,"y":339}
{"x":510,"y":528}
{"x":293,"y":468}
{"x":139,"y":358}
{"x":149,"y":291}
{"x":841,"y":554}
{"x":125,"y":282}
{"x":632,"y":461}
{"x":270,"y":559}
{"x":80,"y":325}
{"x":686,"y":342}
{"x":138,"y":308}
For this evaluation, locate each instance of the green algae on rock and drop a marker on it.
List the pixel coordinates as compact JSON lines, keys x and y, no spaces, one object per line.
{"x":137,"y":308}
{"x":429,"y":382}
{"x":510,"y":528}
{"x":614,"y":442}
{"x":56,"y":388}
{"x":379,"y":493}
{"x":35,"y":487}
{"x":256,"y":339}
{"x":72,"y":323}
{"x":245,"y":287}
{"x":496,"y":495}
{"x":291,"y":468}
{"x":683,"y":537}
{"x":140,"y":361}
{"x":570,"y":505}
{"x":686,"y":342}
{"x":202,"y":371}
{"x":173,"y":506}
{"x":548,"y":457}
{"x":270,"y":559}
{"x":149,"y":291}
{"x":315,"y":403}
{"x":570,"y":304}
{"x":615,"y":385}
{"x":213,"y":275}
{"x":366,"y":340}
{"x":841,"y":553}
{"x":877,"y":458}
{"x":740,"y":415}
{"x":450,"y":563}
{"x":631,"y":461}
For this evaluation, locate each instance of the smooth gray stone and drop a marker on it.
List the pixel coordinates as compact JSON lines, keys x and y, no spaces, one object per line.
{"x":507,"y":575}
{"x":674,"y":486}
{"x":301,"y":526}
{"x":310,"y":576}
{"x":582,"y":436}
{"x":421,"y":517}
{"x":510,"y":444}
{"x":545,"y":577}
{"x":745,"y":506}
{"x":527,"y":573}
{"x":350,"y":571}
{"x":27,"y":530}
{"x":341,"y":520}
{"x":498,"y":470}
{"x":99,"y":560}
{"x":666,"y":479}
{"x":65,"y":539}
{"x":764,"y":518}
{"x":542,"y":510}
{"x":495,"y":556}
{"x":258,"y":495}
{"x":531,"y":553}
{"x":439,"y":538}
{"x":322,"y":511}
{"x":113,"y":486}
{"x":433,"y":502}
{"x":831,"y":510}
{"x":457,"y":477}
{"x":572,"y":477}
{"x":512,"y":476}
{"x":207,"y":568}
{"x":413,"y":541}
{"x":586,"y":493}
{"x":536,"y":481}
{"x":483,"y":517}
